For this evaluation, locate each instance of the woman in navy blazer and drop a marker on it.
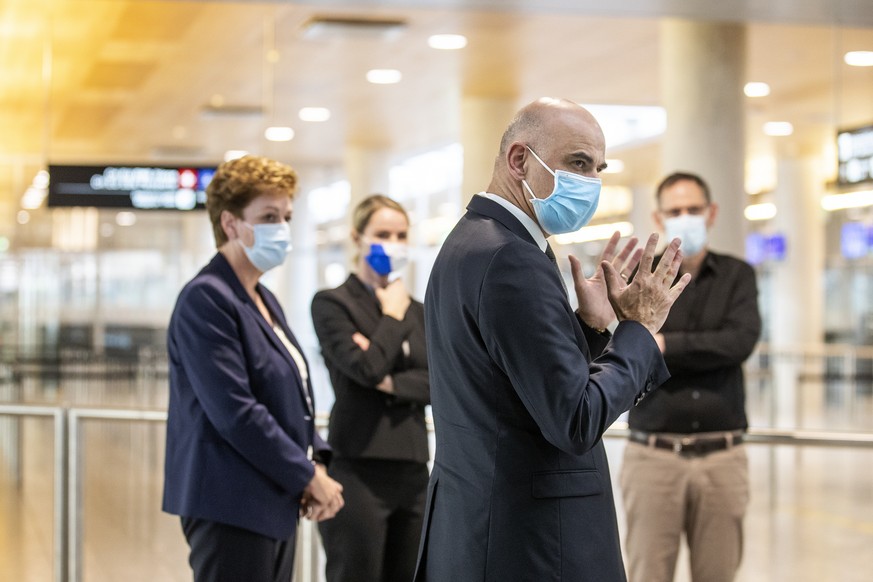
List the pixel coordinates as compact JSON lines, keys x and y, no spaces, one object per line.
{"x":372,"y":338}
{"x":243,"y":459}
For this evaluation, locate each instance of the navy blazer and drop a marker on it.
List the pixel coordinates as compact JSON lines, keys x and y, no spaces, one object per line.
{"x":366,"y":423}
{"x":520,"y":488}
{"x":240,"y":419}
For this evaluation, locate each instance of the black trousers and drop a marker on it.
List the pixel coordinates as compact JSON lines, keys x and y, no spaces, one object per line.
{"x":374,"y":538}
{"x":224,"y":553}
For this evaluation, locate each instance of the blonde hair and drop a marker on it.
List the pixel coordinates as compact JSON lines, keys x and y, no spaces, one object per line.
{"x":367,"y":207}
{"x":365,"y":210}
{"x":237,"y":182}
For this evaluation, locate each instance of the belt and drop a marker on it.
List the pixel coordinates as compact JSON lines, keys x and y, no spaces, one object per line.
{"x":688,"y":445}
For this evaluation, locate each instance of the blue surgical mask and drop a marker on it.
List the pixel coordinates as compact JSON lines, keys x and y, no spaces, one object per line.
{"x":387,"y":258}
{"x":690,"y":229}
{"x":571,"y":204}
{"x":272,"y":244}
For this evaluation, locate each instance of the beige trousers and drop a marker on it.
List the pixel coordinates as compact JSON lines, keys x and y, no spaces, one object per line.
{"x":666,"y":495}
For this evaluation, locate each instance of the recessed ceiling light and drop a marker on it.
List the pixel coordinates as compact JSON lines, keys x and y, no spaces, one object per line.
{"x":778,"y":128}
{"x":859,"y":58}
{"x":384,"y":76}
{"x":764,"y":211}
{"x":851,"y":200}
{"x":41,"y":180}
{"x":314,"y":113}
{"x":756,"y":89}
{"x":23,"y":217}
{"x":125,"y":218}
{"x":447,"y":42}
{"x":32,"y":198}
{"x":278,"y":133}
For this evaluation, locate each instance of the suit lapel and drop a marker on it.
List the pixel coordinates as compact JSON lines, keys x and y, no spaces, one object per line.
{"x":276,"y":312}
{"x":489,"y":208}
{"x":220,"y":265}
{"x":363,"y":303}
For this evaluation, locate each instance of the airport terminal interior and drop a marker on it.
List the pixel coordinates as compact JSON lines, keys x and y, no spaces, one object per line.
{"x":115,"y":113}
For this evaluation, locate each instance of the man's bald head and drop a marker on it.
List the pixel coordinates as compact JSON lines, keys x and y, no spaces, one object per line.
{"x":545,"y":136}
{"x":535,"y":120}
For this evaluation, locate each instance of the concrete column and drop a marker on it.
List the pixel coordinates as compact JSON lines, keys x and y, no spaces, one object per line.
{"x":796,"y":301}
{"x":297,"y":280}
{"x":367,"y":172}
{"x":483,"y":121}
{"x":702,"y":78}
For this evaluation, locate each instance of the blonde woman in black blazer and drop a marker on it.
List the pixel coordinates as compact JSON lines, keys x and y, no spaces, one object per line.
{"x":372,"y":338}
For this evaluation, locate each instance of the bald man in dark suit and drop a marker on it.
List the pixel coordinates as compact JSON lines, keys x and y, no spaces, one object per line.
{"x":523,"y":387}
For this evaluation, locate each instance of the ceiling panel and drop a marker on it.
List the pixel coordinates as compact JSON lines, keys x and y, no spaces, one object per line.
{"x":115,"y":75}
{"x":85,"y":121}
{"x":135,"y":80}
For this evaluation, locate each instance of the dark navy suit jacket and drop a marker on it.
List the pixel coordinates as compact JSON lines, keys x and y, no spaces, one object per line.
{"x":520,"y":488}
{"x":240,"y":418}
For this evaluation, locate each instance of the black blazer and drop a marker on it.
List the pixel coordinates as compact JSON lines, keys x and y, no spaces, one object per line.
{"x":240,"y":418}
{"x":365,"y":422}
{"x":520,"y":487}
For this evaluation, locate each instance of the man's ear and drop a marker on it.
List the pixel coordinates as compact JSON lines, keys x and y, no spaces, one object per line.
{"x":713,"y":212}
{"x":515,"y":158}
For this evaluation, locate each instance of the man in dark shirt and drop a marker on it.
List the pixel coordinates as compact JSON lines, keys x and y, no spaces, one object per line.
{"x":685,"y":469}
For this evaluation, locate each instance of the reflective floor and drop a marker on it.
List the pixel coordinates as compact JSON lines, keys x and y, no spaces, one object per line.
{"x":810,"y":520}
{"x":810,"y":517}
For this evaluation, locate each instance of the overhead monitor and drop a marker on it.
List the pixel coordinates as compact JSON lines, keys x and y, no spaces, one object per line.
{"x":129,"y":186}
{"x":855,"y":156}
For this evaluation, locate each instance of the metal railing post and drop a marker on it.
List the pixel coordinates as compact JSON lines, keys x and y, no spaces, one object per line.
{"x":74,"y":513}
{"x":74,"y":473}
{"x":61,"y":513}
{"x":59,"y":509}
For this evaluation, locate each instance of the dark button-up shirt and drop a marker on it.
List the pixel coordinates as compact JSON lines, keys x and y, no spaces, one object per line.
{"x":710,"y":331}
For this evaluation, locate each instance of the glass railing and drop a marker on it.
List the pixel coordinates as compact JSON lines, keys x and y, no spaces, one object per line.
{"x":82,"y":446}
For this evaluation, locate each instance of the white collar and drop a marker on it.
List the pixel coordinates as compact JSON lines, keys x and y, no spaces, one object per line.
{"x":526,"y":221}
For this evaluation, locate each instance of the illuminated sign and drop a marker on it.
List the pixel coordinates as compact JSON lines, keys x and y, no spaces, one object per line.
{"x":138,"y":187}
{"x":855,"y":156}
{"x":856,"y":240}
{"x":762,"y":248}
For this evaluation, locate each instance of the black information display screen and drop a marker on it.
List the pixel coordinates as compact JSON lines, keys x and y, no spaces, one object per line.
{"x":855,"y":152}
{"x":138,"y":187}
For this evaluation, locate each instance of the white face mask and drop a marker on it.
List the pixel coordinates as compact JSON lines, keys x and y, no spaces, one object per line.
{"x":690,"y":229}
{"x":386,"y":258}
{"x":272,"y":244}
